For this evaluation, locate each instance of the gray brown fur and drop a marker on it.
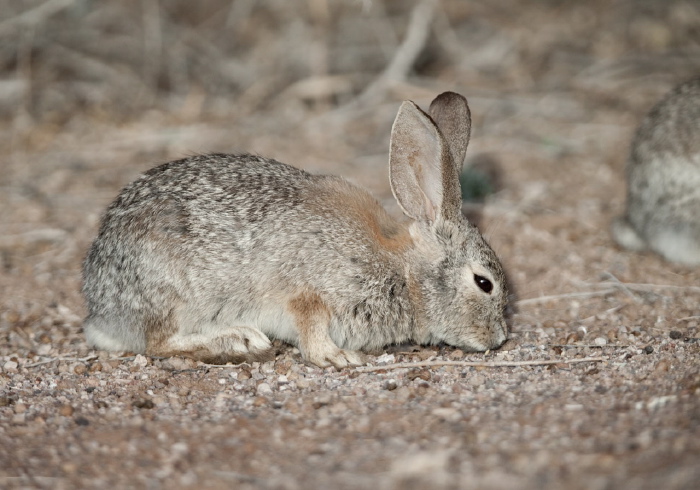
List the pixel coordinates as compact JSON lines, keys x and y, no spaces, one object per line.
{"x":210,"y":256}
{"x":663,"y":174}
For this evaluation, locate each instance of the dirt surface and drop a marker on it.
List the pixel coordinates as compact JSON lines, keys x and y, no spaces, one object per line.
{"x":610,"y":396}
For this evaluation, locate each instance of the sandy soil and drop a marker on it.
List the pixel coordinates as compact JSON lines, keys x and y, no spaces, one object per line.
{"x":609,"y":399}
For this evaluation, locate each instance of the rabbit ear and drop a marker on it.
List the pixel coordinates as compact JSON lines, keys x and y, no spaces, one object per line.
{"x":450,"y":112}
{"x":423,"y":177}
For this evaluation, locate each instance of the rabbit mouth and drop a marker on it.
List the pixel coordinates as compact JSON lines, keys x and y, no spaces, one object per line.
{"x":481,"y":345}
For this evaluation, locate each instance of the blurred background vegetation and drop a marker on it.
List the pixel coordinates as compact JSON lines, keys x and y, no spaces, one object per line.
{"x":118,"y":58}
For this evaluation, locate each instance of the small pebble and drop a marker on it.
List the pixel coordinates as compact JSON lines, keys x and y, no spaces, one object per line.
{"x":390,"y":385}
{"x":178,"y":363}
{"x":447,"y":413}
{"x":264,"y":389}
{"x":44,"y":349}
{"x":10,"y":366}
{"x":600,"y":341}
{"x":662,"y":366}
{"x":675,"y":334}
{"x":648,"y":349}
{"x":283,"y":367}
{"x":386,"y":359}
{"x":144,"y":403}
{"x":456,"y":354}
{"x":259,"y":401}
{"x":140,"y":361}
{"x":322,"y":400}
{"x":423,"y":374}
{"x":66,"y":411}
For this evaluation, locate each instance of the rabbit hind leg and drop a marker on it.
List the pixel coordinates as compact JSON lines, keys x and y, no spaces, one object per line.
{"x":679,"y":243}
{"x":232,"y":344}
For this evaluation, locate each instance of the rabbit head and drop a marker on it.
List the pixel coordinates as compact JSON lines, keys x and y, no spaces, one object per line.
{"x":459,"y":283}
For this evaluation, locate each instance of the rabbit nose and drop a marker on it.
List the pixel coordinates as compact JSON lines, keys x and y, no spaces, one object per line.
{"x":500,"y":336}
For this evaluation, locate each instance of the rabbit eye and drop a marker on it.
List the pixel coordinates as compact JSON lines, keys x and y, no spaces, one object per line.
{"x":483,"y":283}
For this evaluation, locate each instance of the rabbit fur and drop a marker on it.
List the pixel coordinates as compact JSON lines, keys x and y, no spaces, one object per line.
{"x":211,"y":256}
{"x":663,"y":180}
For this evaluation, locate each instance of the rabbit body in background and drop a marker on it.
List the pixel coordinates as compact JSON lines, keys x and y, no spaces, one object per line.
{"x":663,"y":174}
{"x":211,"y":256}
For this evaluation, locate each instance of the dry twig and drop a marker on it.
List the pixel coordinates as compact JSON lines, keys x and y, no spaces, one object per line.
{"x":35,"y":16}
{"x":555,"y":297}
{"x":651,"y":287}
{"x":432,"y":364}
{"x":59,"y":359}
{"x":623,"y":287}
{"x":405,"y":57}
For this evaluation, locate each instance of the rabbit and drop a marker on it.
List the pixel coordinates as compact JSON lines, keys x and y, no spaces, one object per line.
{"x":211,"y":256}
{"x":663,"y":174}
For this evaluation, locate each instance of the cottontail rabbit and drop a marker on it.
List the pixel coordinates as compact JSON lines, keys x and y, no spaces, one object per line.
{"x":663,"y":172}
{"x":209,"y":256}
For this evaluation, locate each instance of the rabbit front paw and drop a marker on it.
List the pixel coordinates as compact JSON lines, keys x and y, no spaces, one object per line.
{"x":338,"y":358}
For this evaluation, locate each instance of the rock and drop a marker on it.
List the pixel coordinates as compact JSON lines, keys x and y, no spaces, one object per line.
{"x":447,"y":413}
{"x":423,"y":374}
{"x":322,"y":400}
{"x":476,"y":380}
{"x":456,"y":354}
{"x":662,"y":366}
{"x":386,"y":359}
{"x":140,"y":361}
{"x":264,"y":389}
{"x":390,"y":384}
{"x":10,"y":366}
{"x":244,"y":374}
{"x":177,"y":364}
{"x":144,"y":403}
{"x":66,"y":410}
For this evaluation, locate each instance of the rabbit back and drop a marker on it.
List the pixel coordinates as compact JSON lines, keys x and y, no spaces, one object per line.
{"x":229,"y":239}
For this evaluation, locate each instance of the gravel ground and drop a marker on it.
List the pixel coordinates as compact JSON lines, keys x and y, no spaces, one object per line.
{"x":625,"y":418}
{"x":598,"y":386}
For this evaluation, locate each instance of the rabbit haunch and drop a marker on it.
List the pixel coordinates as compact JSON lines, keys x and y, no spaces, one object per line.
{"x":663,"y":177}
{"x":213,"y":255}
